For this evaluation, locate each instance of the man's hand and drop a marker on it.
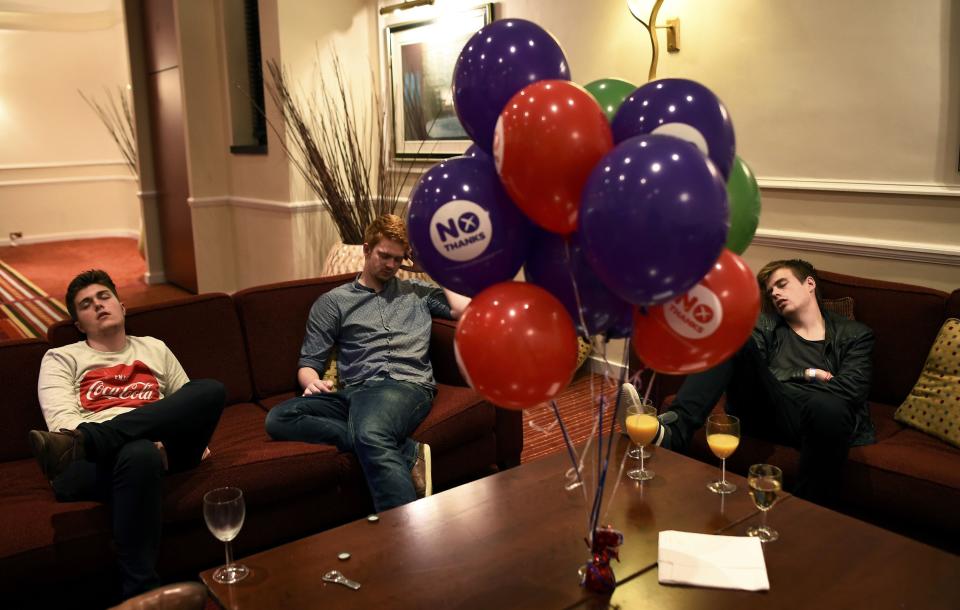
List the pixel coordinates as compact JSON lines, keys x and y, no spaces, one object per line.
{"x":414,"y":266}
{"x":318,"y":386}
{"x":823,"y":375}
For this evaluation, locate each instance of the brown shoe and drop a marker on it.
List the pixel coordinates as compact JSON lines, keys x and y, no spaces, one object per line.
{"x":55,"y":451}
{"x":421,"y":473}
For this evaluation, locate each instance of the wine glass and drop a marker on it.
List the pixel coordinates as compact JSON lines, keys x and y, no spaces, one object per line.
{"x":642,"y":426}
{"x":765,"y":483}
{"x":723,"y":436}
{"x":634,"y":452}
{"x":224,"y":511}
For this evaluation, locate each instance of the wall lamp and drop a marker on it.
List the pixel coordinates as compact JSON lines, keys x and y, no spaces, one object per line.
{"x":646,"y":13}
{"x":400,"y":6}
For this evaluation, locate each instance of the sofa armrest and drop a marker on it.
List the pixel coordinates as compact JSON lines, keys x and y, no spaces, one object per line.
{"x":509,"y":424}
{"x":445,"y":369}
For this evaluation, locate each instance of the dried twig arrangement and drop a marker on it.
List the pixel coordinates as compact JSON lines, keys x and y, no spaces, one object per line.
{"x":116,"y":115}
{"x":342,"y":153}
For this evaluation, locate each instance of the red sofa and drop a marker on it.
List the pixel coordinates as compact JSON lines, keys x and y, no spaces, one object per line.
{"x":250,"y":341}
{"x":908,"y":481}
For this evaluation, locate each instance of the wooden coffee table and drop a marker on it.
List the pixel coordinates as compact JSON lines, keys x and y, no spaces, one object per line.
{"x":823,"y":559}
{"x":515,"y":540}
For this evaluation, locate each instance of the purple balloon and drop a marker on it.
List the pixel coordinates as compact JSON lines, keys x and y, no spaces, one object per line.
{"x":465,"y":230}
{"x":475,"y":151}
{"x":653,"y":218}
{"x":550,"y":266}
{"x":498,"y":61}
{"x":682,"y":108}
{"x":623,"y":327}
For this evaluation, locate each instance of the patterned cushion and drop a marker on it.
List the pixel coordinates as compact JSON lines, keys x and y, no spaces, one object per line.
{"x":933,"y":405}
{"x":842,"y":307}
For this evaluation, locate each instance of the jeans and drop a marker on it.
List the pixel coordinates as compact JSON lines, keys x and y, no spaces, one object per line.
{"x":807,"y":417}
{"x":124,"y":467}
{"x":374,"y":420}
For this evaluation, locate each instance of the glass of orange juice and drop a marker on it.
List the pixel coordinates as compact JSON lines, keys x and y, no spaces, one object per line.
{"x":642,"y":426}
{"x":723,"y":436}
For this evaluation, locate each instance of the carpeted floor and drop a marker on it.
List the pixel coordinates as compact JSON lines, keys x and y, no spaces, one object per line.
{"x":578,"y":409}
{"x":51,"y":266}
{"x":26,"y":311}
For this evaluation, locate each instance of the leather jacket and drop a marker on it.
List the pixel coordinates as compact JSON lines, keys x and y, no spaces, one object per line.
{"x":848,"y":349}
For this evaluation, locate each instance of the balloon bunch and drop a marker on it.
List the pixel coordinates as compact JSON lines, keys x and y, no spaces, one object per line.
{"x":626,"y":206}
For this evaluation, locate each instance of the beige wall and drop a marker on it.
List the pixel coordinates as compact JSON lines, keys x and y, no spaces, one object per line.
{"x":849,"y":113}
{"x":61,"y":176}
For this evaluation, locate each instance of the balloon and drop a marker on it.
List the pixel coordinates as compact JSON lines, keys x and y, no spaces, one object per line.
{"x":623,"y":326}
{"x":743,"y":195}
{"x":610,"y":93}
{"x":515,"y":345}
{"x":702,"y":328}
{"x":464,"y":230}
{"x":475,"y":151}
{"x":682,"y":108}
{"x":499,"y":60}
{"x":654,"y":218}
{"x":551,"y":263}
{"x":548,"y":138}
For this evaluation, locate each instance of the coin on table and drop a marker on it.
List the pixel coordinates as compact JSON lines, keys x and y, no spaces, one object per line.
{"x":343,"y":556}
{"x":373,"y":518}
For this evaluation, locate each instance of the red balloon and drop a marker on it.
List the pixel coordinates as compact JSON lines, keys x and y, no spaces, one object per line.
{"x":702,"y":328}
{"x":516,"y":345}
{"x":549,"y":137}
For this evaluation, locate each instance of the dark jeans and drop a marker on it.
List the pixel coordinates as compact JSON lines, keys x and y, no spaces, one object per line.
{"x":374,"y":420}
{"x":811,"y":419}
{"x":124,"y":467}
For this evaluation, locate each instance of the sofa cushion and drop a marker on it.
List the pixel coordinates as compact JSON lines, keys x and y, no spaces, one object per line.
{"x":19,"y":406}
{"x":242,"y":455}
{"x":274,"y":320}
{"x":933,"y":405}
{"x":915,"y":455}
{"x":202,"y":331}
{"x":904,"y":318}
{"x":842,"y":307}
{"x":36,"y":526}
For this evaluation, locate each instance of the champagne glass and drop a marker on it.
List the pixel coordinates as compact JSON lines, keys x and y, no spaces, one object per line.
{"x":224,"y":511}
{"x":765,"y":483}
{"x":642,"y":426}
{"x":634,"y":452}
{"x":723,"y":436}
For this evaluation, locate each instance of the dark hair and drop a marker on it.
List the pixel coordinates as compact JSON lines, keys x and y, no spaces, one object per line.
{"x":87,"y":278}
{"x":801,"y":270}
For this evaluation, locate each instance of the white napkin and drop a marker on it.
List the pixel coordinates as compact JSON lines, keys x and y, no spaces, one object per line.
{"x":725,"y":562}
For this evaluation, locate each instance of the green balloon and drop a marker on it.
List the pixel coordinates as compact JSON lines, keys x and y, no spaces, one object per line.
{"x":610,"y":93}
{"x":743,"y":196}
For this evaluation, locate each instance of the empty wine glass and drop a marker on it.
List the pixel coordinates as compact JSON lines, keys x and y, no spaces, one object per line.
{"x":224,"y":512}
{"x":765,"y":483}
{"x":642,"y":426}
{"x":723,"y":436}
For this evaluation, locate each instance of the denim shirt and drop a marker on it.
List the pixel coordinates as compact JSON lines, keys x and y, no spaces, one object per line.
{"x":379,"y":335}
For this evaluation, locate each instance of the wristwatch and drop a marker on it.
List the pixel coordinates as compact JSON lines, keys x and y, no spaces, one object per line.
{"x":810,"y":374}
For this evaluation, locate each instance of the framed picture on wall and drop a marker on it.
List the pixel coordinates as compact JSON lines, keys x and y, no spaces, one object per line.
{"x":421,"y":58}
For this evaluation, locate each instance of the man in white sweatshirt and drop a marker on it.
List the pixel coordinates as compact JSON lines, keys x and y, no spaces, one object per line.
{"x":121,"y":412}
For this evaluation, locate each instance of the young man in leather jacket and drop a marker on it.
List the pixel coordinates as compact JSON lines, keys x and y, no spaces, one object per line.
{"x":802,"y":380}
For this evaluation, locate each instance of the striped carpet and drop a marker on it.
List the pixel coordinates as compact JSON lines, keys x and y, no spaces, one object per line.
{"x":578,"y":409}
{"x":26,"y":311}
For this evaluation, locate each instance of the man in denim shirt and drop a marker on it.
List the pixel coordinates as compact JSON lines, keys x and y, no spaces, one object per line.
{"x":381,"y":327}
